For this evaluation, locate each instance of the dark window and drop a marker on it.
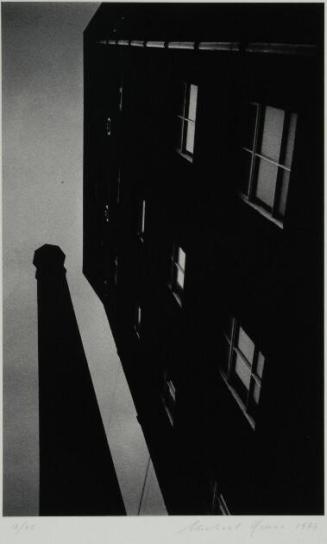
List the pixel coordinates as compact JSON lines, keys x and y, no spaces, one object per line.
{"x":268,"y":146}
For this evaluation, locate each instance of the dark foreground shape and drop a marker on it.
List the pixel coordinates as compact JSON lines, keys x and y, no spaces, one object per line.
{"x":77,"y":475}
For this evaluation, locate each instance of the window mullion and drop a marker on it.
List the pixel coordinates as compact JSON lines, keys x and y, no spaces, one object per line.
{"x":252,"y":380}
{"x":256,"y":140}
{"x":243,"y":357}
{"x":271,"y":161}
{"x":231,"y":350}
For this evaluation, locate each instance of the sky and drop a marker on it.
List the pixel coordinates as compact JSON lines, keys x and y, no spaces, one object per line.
{"x":42,"y":94}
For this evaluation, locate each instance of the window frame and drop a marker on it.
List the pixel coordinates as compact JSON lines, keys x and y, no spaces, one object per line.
{"x":175,"y":266}
{"x":232,"y":380}
{"x":141,"y":220}
{"x":185,"y":121}
{"x":138,"y":321}
{"x":120,"y":97}
{"x":166,"y":393}
{"x":249,"y":195}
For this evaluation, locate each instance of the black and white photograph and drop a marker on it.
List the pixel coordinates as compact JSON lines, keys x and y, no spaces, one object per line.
{"x":163,"y":230}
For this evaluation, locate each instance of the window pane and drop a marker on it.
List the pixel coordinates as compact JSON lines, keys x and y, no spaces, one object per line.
{"x":190,"y":133}
{"x":193,"y":101}
{"x":266,"y":182}
{"x":272,"y":133}
{"x":260,"y":365}
{"x":249,"y":126}
{"x":285,"y":179}
{"x":180,"y":278}
{"x":290,"y":140}
{"x":171,"y":390}
{"x":245,"y":344}
{"x":256,"y":392}
{"x":181,"y":258}
{"x":242,"y":371}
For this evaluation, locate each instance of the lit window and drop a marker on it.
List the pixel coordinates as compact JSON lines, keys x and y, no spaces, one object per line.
{"x":169,"y":397}
{"x":138,"y":320}
{"x":187,"y":120}
{"x":178,"y":262}
{"x":242,"y":368}
{"x":141,"y":221}
{"x":268,"y":146}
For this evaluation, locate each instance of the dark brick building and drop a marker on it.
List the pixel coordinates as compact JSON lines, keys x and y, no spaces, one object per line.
{"x":203,"y":201}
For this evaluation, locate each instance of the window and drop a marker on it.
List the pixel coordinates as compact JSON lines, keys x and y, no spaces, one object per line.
{"x":178,"y":262}
{"x":169,"y":397}
{"x":186,"y":121}
{"x":141,"y":222}
{"x":268,"y":145}
{"x":242,"y":368}
{"x":138,"y":320}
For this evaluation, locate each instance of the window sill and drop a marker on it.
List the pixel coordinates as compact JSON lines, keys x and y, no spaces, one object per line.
{"x":238,"y":400}
{"x":189,"y":158}
{"x":262,"y":211}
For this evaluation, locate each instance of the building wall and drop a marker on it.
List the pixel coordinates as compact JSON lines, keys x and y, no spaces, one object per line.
{"x":238,"y":261}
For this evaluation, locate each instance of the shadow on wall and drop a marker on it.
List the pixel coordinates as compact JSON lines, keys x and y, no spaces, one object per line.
{"x":77,"y":475}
